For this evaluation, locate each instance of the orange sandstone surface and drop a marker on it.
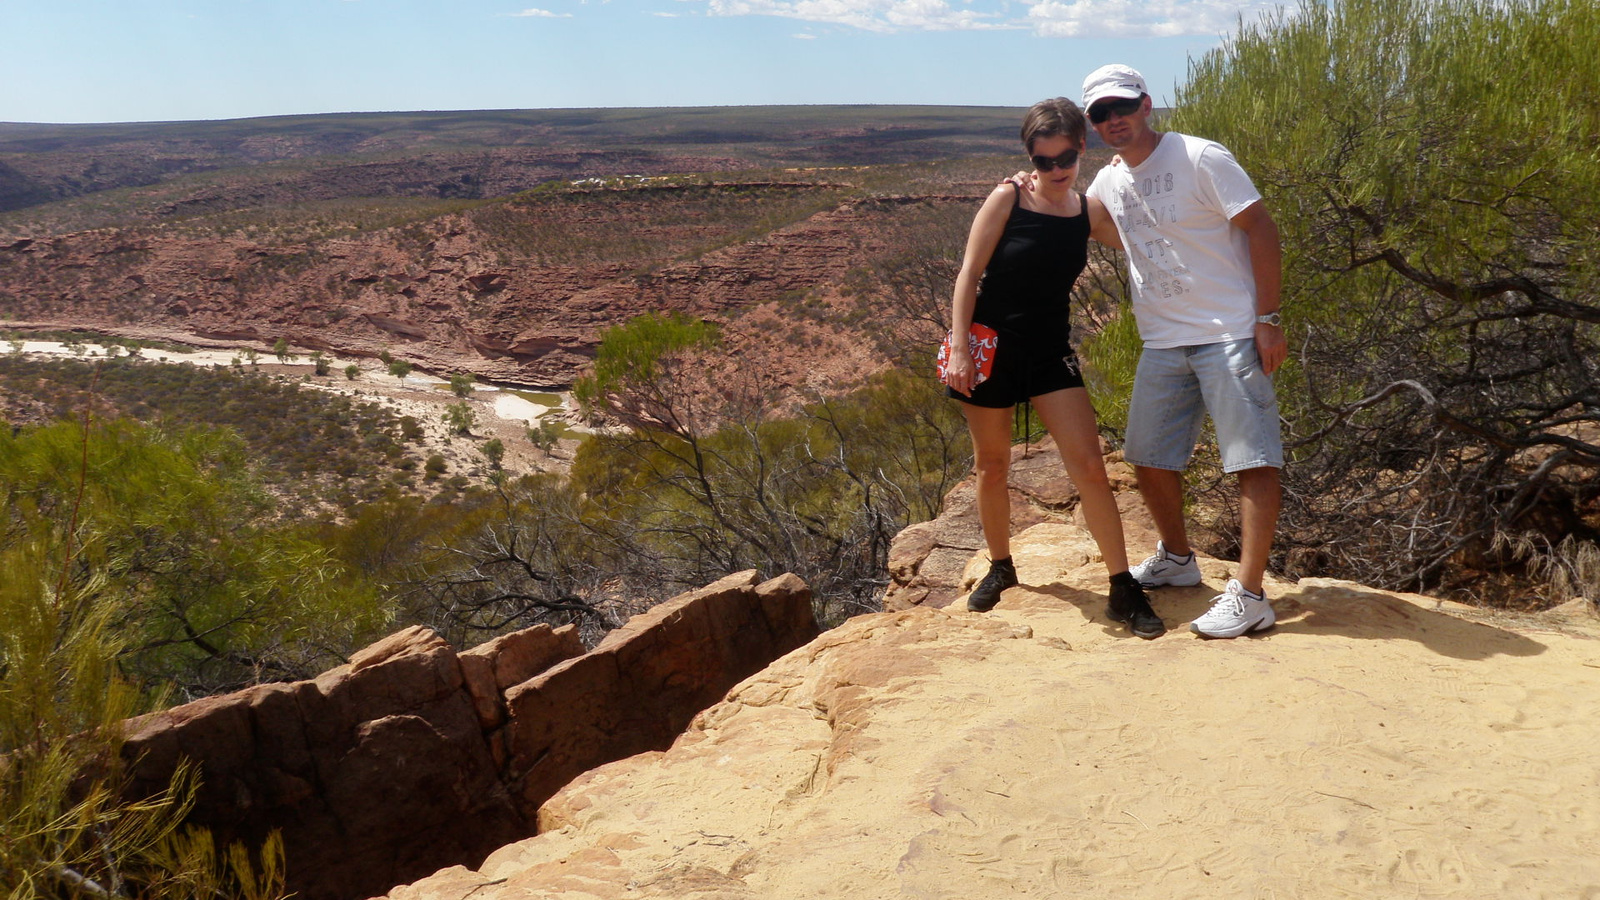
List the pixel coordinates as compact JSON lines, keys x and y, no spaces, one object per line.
{"x":1371,"y":745}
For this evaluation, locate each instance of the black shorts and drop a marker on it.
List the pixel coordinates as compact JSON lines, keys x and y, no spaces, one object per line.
{"x":1024,"y":372}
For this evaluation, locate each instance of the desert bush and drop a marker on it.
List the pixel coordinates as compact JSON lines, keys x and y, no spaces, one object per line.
{"x":434,"y":466}
{"x":69,"y":828}
{"x":211,"y":592}
{"x":526,"y":552}
{"x":1441,"y":271}
{"x":494,"y":450}
{"x":460,"y":417}
{"x":411,"y":429}
{"x":545,"y":435}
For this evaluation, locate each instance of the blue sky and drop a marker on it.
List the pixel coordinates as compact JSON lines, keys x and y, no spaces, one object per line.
{"x":163,"y":60}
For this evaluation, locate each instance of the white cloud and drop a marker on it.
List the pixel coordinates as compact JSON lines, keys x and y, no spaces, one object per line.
{"x":1047,"y":18}
{"x":868,"y":15}
{"x":1148,"y":18}
{"x":802,"y":36}
{"x":540,"y":14}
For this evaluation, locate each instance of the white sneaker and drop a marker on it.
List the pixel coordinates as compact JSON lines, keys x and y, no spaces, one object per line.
{"x":1234,"y":612}
{"x":1164,"y":569}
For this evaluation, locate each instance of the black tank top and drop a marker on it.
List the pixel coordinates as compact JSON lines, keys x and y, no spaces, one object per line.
{"x":1027,"y":285}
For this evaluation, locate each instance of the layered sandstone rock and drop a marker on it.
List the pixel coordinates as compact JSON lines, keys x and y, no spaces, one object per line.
{"x":446,"y":296}
{"x":414,"y":756}
{"x":1371,"y":745}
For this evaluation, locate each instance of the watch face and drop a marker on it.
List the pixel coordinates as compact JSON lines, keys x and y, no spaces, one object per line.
{"x":1269,"y":319}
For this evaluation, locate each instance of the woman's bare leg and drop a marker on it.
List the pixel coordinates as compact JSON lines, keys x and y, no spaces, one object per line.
{"x":1069,"y":417}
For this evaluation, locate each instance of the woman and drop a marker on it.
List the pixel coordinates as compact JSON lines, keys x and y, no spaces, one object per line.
{"x":1030,"y":246}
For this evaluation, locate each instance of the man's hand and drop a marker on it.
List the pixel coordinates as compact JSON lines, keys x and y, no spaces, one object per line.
{"x":1271,"y":347}
{"x":1023,"y":180}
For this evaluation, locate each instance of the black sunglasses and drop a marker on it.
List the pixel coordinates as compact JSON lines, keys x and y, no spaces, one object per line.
{"x":1065,"y":161}
{"x":1124,"y":107}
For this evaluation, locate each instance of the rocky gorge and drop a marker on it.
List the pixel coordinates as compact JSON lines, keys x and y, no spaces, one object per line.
{"x":414,"y":756}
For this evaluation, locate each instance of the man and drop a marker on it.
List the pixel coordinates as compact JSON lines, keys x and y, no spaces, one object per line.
{"x":1206,"y":265}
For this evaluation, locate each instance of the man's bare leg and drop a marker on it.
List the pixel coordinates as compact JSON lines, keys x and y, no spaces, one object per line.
{"x":1162,"y":490}
{"x":1260,"y":498}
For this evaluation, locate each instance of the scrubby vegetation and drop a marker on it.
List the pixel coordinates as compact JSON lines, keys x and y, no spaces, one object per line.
{"x":132,"y":346}
{"x":316,"y":447}
{"x":140,"y":568}
{"x":711,"y":477}
{"x":587,"y":226}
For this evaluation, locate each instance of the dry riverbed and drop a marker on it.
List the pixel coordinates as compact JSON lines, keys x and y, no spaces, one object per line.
{"x":500,"y":411}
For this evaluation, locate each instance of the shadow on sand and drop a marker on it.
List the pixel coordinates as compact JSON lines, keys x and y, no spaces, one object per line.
{"x":1346,"y":610}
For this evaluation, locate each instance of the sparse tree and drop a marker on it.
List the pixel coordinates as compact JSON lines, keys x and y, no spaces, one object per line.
{"x":400,"y":368}
{"x":459,"y":417}
{"x":280,"y":349}
{"x":494,"y":450}
{"x":711,"y":479}
{"x":461,"y":384}
{"x":522,"y":555}
{"x":545,"y":435}
{"x":352,"y":372}
{"x":321,"y":363}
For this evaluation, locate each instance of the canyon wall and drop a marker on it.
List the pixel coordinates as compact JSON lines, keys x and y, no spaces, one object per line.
{"x":414,"y":756}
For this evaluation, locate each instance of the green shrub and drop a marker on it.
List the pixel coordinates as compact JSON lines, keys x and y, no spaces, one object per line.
{"x":434,"y":467}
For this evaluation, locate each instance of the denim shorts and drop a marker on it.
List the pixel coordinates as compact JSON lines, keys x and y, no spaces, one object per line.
{"x":1175,"y":387}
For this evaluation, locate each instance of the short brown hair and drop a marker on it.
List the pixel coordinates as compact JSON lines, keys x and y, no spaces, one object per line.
{"x":1049,"y":118}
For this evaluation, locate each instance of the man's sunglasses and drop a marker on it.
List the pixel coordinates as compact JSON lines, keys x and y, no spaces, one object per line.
{"x":1124,"y":107}
{"x":1065,"y":161}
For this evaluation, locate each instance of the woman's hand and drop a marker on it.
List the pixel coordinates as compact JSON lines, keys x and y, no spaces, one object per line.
{"x":959,"y":371}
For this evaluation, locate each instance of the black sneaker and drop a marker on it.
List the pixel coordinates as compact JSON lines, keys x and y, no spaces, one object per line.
{"x":1002,"y":574}
{"x":1130,"y":606}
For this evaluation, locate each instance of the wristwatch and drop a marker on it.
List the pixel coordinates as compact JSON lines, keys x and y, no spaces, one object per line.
{"x":1270,"y":318}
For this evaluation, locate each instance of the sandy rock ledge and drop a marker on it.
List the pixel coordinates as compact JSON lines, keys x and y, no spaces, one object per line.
{"x":1372,"y":745}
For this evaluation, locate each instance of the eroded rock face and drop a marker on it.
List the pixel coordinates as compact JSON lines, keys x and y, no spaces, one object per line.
{"x":449,"y":299}
{"x":413,"y":756}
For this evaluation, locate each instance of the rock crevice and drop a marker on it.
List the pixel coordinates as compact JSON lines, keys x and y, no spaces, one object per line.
{"x":371,"y":770}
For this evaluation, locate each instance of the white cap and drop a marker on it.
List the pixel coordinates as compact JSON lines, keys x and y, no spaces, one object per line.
{"x":1112,"y":81}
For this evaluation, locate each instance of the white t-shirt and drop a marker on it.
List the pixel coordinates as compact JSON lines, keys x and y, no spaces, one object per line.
{"x":1192,"y":282}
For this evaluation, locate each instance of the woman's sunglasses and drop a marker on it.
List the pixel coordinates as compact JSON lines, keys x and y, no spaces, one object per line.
{"x":1065,"y":161}
{"x":1124,"y":107}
